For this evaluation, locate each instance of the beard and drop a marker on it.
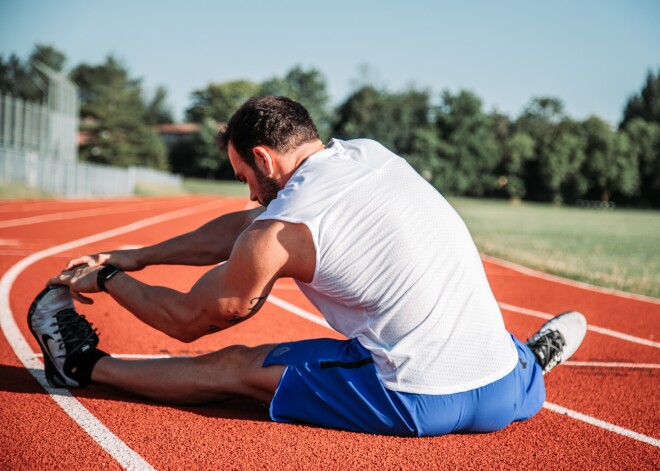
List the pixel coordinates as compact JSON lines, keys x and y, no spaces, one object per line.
{"x":268,"y":188}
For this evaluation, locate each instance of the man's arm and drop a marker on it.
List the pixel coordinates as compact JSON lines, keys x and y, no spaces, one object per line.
{"x":208,"y":245}
{"x":225,"y":295}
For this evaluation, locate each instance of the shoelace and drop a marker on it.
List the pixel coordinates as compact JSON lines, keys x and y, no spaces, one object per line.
{"x":547,"y":348}
{"x":75,"y":330}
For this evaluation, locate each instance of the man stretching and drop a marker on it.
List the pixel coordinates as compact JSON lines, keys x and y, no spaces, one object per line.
{"x":375,"y":248}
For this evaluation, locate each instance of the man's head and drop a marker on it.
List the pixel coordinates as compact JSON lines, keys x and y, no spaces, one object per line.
{"x":277,"y":122}
{"x":258,"y":134}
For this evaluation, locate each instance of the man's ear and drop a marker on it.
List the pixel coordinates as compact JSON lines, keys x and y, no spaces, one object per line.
{"x":263,"y":159}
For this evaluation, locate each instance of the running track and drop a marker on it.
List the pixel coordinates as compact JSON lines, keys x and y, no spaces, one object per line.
{"x":602,"y":409}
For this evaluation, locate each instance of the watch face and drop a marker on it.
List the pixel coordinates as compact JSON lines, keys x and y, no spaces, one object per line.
{"x":105,"y":274}
{"x":108,"y":271}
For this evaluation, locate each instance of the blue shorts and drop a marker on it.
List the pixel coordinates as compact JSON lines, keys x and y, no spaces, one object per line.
{"x":334,"y":383}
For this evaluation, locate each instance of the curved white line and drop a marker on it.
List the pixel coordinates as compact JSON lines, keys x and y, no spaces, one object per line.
{"x":121,"y":452}
{"x":558,"y":279}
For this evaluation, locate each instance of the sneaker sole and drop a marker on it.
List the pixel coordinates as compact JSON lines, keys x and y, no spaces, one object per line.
{"x":53,"y":376}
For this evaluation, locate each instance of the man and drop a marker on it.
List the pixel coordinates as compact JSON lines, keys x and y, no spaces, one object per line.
{"x":376,"y":249}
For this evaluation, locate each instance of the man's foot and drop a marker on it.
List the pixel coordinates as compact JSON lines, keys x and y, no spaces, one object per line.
{"x":558,"y":339}
{"x":66,"y":338}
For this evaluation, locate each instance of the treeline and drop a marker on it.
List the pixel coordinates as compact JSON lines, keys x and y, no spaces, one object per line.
{"x":541,"y":155}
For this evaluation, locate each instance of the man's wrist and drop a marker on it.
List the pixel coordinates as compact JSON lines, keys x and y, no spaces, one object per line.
{"x":104,"y":275}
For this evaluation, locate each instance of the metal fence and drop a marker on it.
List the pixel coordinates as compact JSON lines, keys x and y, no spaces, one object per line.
{"x":49,"y":129}
{"x":38,"y":147}
{"x":77,"y":179}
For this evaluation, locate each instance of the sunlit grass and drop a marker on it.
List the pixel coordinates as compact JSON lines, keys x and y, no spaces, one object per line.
{"x":617,"y":249}
{"x":215,"y":187}
{"x":13,"y":190}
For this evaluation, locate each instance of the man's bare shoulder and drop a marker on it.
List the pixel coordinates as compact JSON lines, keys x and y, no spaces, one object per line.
{"x":289,"y":246}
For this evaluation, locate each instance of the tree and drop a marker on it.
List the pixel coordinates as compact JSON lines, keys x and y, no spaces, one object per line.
{"x":218,"y":101}
{"x":517,"y":150}
{"x":208,"y":156}
{"x":24,"y":80}
{"x":540,"y":120}
{"x":644,"y":139}
{"x":561,"y":161}
{"x":157,"y":111}
{"x":610,"y":165}
{"x":360,"y":115}
{"x":646,"y":104}
{"x":390,"y":118}
{"x":16,"y":80}
{"x":308,"y":87}
{"x":48,"y":56}
{"x":113,"y":116}
{"x":467,"y":152}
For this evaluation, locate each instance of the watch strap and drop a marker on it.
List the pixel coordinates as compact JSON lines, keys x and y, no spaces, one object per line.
{"x":105,"y":274}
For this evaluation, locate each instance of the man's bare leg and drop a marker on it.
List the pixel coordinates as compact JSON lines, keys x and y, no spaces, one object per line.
{"x":228,"y":373}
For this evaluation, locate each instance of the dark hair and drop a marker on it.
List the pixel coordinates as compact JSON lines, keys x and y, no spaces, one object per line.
{"x":278,"y":122}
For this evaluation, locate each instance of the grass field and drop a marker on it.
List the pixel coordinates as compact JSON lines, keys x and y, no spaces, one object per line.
{"x":13,"y":191}
{"x":214,"y":187}
{"x":617,"y":249}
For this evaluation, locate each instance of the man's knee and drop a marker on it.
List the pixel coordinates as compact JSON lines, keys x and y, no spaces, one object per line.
{"x":238,"y":368}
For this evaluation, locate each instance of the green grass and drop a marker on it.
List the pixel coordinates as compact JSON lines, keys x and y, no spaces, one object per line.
{"x":14,"y":191}
{"x":616,"y":249}
{"x":195,"y":186}
{"x":215,"y":187}
{"x":150,"y":189}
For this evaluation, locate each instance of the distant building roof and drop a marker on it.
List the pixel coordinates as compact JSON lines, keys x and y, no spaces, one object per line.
{"x":178,"y":128}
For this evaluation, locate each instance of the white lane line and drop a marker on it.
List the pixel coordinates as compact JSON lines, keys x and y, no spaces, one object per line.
{"x":58,"y":203}
{"x":121,"y":452}
{"x":553,"y":407}
{"x":558,"y":279}
{"x":592,"y":328}
{"x":82,"y":213}
{"x":604,"y":364}
{"x":602,"y":424}
{"x":298,"y":311}
{"x":137,"y":356}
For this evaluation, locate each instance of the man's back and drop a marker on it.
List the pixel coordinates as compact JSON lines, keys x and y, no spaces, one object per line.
{"x":396,"y":269}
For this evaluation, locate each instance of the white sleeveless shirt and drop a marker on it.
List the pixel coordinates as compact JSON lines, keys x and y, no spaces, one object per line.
{"x":396,"y":268}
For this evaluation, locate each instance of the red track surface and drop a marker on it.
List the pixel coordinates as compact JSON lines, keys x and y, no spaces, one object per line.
{"x":619,"y":426}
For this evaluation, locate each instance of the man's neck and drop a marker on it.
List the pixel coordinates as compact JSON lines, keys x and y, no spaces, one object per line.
{"x":292,"y":161}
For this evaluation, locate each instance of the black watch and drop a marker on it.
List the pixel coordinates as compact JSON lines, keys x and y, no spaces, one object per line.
{"x":105,"y":274}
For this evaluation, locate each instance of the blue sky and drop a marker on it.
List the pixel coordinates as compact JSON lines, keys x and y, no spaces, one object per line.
{"x":591,"y":54}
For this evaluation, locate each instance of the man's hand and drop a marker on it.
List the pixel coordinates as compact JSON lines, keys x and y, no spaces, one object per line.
{"x":81,"y":279}
{"x":125,"y":260}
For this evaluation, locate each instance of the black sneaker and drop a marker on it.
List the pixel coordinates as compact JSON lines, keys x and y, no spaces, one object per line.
{"x":65,"y":337}
{"x":558,"y":339}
